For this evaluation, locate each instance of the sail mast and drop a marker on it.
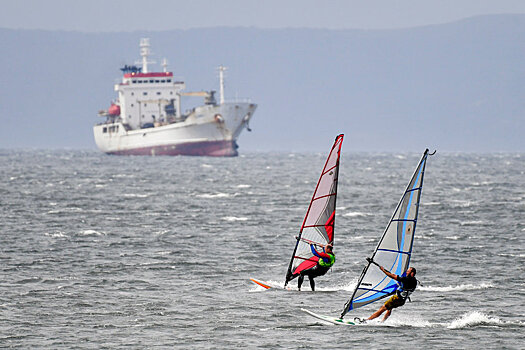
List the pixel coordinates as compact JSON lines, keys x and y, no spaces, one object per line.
{"x":394,"y":249}
{"x":319,"y":221}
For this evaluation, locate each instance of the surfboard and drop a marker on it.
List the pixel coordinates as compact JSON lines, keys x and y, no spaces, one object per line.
{"x":269,"y":285}
{"x":261,"y":283}
{"x":330,"y":319}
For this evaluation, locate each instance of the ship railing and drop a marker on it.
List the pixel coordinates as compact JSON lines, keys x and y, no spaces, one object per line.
{"x":238,"y":100}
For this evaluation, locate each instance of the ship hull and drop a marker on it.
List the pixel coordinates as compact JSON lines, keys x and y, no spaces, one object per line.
{"x":205,"y":148}
{"x":208,"y":131}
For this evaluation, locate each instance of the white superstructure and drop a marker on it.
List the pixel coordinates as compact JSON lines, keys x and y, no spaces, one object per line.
{"x":147,"y":118}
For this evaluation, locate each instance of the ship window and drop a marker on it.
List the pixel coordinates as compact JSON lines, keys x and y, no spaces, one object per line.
{"x":132,"y":94}
{"x":145,"y":104}
{"x":163,"y":81}
{"x":151,"y":81}
{"x":158,"y":93}
{"x":104,"y":130}
{"x":144,"y":93}
{"x":168,"y":80}
{"x":139,"y":81}
{"x":157,"y":81}
{"x":132,"y":105}
{"x":134,"y":81}
{"x":171,"y":92}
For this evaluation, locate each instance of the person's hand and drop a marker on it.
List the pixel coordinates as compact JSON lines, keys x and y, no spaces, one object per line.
{"x":370,"y":260}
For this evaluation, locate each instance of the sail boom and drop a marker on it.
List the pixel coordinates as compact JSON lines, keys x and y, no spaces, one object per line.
{"x":394,"y":251}
{"x":314,"y":226}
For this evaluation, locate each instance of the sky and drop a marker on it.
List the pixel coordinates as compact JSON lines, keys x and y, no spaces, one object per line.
{"x":159,"y":15}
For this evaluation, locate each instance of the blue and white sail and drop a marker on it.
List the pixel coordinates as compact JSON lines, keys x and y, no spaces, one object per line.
{"x":394,"y":249}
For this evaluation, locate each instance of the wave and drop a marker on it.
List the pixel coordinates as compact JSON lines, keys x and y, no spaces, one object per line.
{"x":473,"y":319}
{"x":429,"y":204}
{"x":350,"y":286}
{"x":55,"y":234}
{"x":91,"y":233}
{"x":454,"y":238}
{"x":216,"y":195}
{"x":401,"y":321}
{"x":472,"y":223}
{"x":244,"y":186}
{"x":354,"y":214}
{"x":135,"y":195}
{"x":461,"y":287}
{"x":233,"y":218}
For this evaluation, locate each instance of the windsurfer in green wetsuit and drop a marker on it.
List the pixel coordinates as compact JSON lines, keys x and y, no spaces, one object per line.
{"x":326,"y":260}
{"x":408,"y":285}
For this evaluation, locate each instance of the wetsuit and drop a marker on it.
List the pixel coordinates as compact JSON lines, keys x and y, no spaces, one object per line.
{"x":408,"y":285}
{"x":323,"y":265}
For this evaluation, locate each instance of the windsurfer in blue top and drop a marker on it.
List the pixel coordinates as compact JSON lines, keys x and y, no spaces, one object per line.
{"x":326,"y":260}
{"x":408,"y":285}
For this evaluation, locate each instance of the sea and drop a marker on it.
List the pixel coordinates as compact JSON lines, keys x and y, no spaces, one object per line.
{"x":125,"y":252}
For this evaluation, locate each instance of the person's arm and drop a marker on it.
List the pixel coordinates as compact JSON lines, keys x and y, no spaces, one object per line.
{"x":323,"y":256}
{"x":389,"y":274}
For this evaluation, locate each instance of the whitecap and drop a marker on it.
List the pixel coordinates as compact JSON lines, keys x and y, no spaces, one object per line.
{"x":216,"y":195}
{"x":471,"y":223}
{"x":402,"y":321}
{"x":91,"y":233}
{"x":243,"y":186}
{"x":354,"y":214}
{"x":460,"y":287}
{"x":55,"y":234}
{"x":233,"y":218}
{"x":454,"y":238}
{"x":135,"y":195}
{"x":472,"y":319}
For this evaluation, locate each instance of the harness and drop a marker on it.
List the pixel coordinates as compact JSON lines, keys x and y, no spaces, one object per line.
{"x":405,"y":293}
{"x":327,"y":264}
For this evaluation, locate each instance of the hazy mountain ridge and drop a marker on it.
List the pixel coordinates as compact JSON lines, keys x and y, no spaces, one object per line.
{"x":456,"y":87}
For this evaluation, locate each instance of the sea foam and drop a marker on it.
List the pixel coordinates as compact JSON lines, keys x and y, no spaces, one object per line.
{"x":473,"y":319}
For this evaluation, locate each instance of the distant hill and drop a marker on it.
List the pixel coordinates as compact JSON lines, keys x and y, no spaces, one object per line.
{"x":454,"y":87}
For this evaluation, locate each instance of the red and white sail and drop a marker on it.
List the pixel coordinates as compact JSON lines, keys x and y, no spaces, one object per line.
{"x":319,"y":222}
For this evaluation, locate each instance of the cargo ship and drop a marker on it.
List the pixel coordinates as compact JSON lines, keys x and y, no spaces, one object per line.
{"x":146,"y":117}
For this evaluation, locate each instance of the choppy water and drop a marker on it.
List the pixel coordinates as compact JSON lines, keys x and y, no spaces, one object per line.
{"x":156,"y":252}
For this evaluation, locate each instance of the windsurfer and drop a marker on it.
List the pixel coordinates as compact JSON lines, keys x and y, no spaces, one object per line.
{"x":408,"y":285}
{"x":326,"y":260}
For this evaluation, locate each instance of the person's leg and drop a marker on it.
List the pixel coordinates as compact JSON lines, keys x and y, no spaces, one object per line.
{"x":377,"y":313}
{"x":300,"y":281}
{"x":387,"y":314}
{"x":312,"y":283}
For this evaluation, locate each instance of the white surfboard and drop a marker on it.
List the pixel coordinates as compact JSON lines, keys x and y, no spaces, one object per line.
{"x":330,"y":319}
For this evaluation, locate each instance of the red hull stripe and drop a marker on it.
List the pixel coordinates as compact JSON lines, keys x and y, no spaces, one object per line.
{"x":209,"y":148}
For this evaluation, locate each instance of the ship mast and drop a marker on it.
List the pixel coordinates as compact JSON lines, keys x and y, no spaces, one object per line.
{"x":222,"y":69}
{"x":145,"y":52}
